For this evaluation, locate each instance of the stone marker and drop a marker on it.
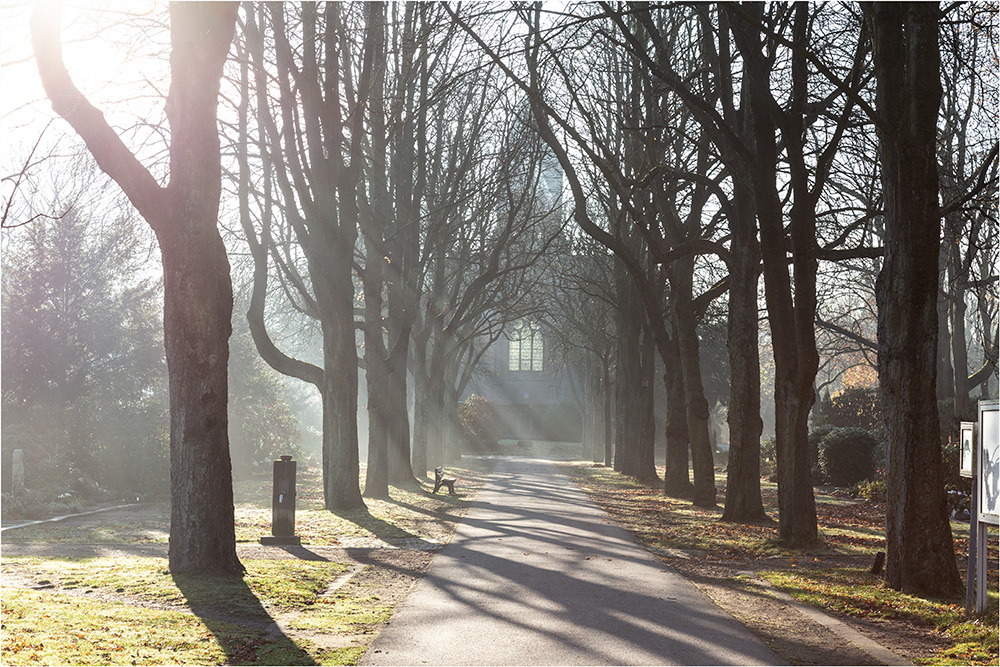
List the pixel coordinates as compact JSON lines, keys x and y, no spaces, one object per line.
{"x":17,"y":470}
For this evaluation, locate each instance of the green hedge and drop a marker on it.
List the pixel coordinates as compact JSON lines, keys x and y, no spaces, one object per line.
{"x":847,"y":456}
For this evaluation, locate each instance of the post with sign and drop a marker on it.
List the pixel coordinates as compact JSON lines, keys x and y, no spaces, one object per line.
{"x":283,"y":505}
{"x":985,"y":496}
{"x":967,"y":469}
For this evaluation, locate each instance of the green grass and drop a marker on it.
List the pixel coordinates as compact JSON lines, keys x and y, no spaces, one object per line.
{"x":273,"y":583}
{"x":131,"y":610}
{"x":148,"y":531}
{"x":42,"y":628}
{"x":350,"y":610}
{"x":856,"y":592}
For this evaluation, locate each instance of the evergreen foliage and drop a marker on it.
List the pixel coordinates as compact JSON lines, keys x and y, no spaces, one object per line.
{"x":847,"y":456}
{"x":853,"y":407}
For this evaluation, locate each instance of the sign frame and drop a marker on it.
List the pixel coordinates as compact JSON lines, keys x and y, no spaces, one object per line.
{"x":988,"y":466}
{"x":966,"y":449}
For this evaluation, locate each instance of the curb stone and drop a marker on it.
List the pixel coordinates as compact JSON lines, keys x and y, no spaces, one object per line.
{"x":836,"y":626}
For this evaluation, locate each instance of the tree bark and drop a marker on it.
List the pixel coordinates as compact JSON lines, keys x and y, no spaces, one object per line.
{"x":791,"y":314}
{"x":198,"y":296}
{"x":696,"y":406}
{"x":374,"y":222}
{"x":920,"y":556}
{"x":633,"y":438}
{"x":743,"y":499}
{"x":676,"y":479}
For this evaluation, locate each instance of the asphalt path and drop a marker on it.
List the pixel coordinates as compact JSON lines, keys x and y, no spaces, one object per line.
{"x":537,"y":574}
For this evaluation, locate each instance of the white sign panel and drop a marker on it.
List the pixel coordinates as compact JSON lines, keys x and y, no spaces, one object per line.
{"x":989,"y":462}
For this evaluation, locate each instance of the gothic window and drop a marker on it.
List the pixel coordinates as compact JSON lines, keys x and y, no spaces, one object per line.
{"x":525,"y":351}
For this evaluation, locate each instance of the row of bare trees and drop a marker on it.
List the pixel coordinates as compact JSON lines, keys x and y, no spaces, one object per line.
{"x":739,"y":137}
{"x":393,"y":172}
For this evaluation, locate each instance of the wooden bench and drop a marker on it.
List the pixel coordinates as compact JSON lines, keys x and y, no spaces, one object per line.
{"x":440,"y":480}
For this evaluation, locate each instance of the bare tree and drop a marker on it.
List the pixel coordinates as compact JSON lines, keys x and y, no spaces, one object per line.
{"x":920,"y":554}
{"x":198,"y":295}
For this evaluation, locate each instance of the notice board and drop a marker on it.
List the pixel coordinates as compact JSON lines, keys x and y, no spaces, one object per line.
{"x":989,"y":462}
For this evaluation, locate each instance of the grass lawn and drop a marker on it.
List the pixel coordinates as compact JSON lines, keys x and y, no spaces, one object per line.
{"x":128,"y":609}
{"x":832,"y":574}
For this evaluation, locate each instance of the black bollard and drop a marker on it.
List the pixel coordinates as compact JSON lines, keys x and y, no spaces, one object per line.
{"x":283,"y":504}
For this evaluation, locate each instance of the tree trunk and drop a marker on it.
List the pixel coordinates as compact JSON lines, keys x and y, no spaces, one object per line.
{"x":696,"y":406}
{"x":920,"y":556}
{"x":341,"y":469}
{"x":676,"y":479}
{"x":421,"y":408}
{"x":609,"y":445}
{"x":791,"y":315}
{"x":956,"y":315}
{"x":198,"y":296}
{"x":379,"y":411}
{"x":197,"y":322}
{"x":743,"y":499}
{"x":404,"y":242}
{"x":633,"y":438}
{"x":946,"y":372}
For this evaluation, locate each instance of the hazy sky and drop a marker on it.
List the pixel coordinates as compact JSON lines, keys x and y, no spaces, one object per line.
{"x":109,"y":63}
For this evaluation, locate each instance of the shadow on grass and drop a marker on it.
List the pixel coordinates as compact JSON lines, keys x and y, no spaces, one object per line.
{"x":234,"y":615}
{"x":442,"y":513}
{"x":382,"y":529}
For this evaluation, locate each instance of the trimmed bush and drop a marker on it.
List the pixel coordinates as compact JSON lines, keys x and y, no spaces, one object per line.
{"x":847,"y":456}
{"x":853,"y":406}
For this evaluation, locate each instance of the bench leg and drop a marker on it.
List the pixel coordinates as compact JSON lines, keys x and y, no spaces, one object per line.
{"x":451,"y":486}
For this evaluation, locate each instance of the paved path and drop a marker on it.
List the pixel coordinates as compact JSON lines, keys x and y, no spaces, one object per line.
{"x":536,"y":574}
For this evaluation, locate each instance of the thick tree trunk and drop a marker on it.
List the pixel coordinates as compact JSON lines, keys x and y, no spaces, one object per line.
{"x":920,"y":556}
{"x":609,"y":446}
{"x":421,"y":430}
{"x":198,"y":297}
{"x":696,"y":406}
{"x":743,"y":499}
{"x":634,"y":434}
{"x":633,"y":437}
{"x":591,"y":445}
{"x":676,"y":479}
{"x":341,"y":469}
{"x":398,"y":422}
{"x":197,"y":318}
{"x":791,"y":315}
{"x":407,"y":165}
{"x":377,"y":378}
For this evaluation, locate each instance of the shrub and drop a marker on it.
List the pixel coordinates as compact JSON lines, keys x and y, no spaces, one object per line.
{"x":853,"y":406}
{"x":873,"y":490}
{"x":480,"y":424}
{"x":847,"y":456}
{"x":816,"y":435}
{"x":768,"y":459}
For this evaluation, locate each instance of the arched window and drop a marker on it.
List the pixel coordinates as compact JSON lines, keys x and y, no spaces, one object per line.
{"x":526,"y":347}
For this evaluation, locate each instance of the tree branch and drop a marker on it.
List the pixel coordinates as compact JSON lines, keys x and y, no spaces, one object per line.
{"x":113,"y":157}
